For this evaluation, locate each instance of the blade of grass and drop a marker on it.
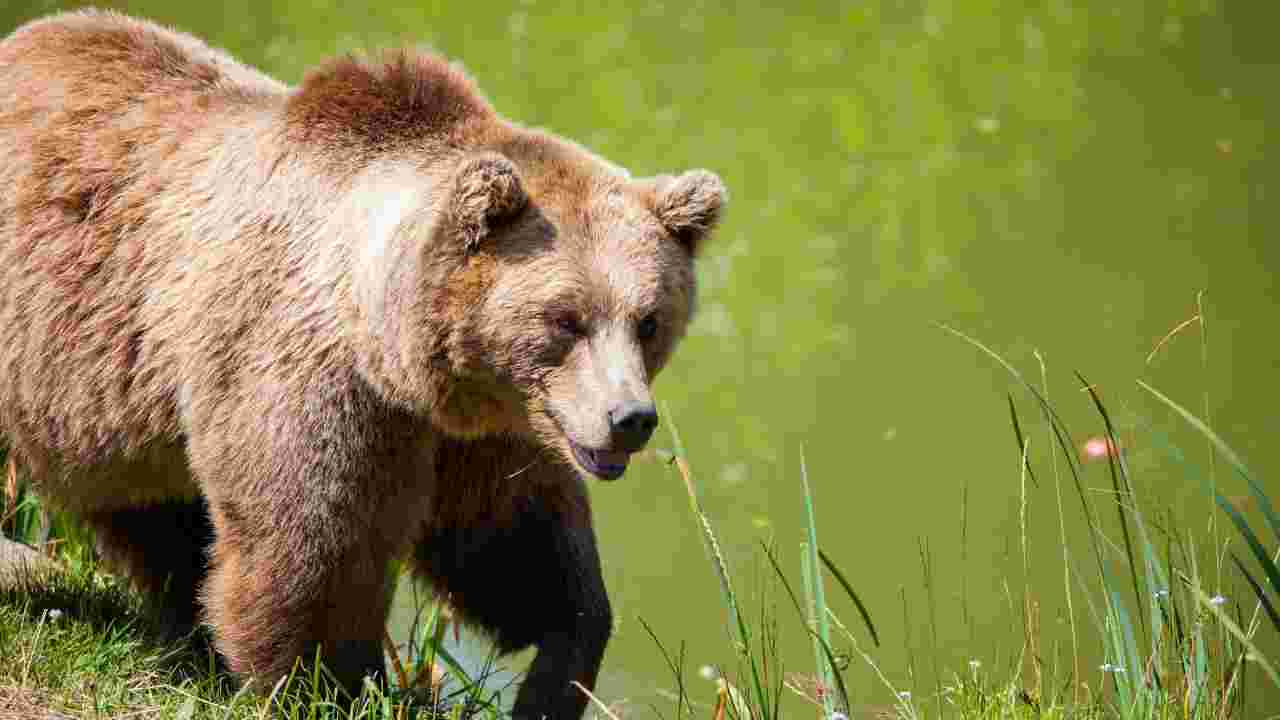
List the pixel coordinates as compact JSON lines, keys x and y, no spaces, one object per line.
{"x":1198,"y":664}
{"x":1264,"y":502}
{"x":857,"y":601}
{"x":1017,"y":433}
{"x":1204,"y":397}
{"x":681,"y":696}
{"x":712,"y":545}
{"x":777,"y":569}
{"x":814,"y":587}
{"x":455,"y":667}
{"x":1122,"y":490}
{"x":1260,"y":554}
{"x":595,"y":700}
{"x":839,"y":680}
{"x":1257,"y":590}
{"x":396,"y":664}
{"x":1180,"y":635}
{"x":926,"y":561}
{"x":1062,"y":535}
{"x":965,"y":617}
{"x":1127,"y":646}
{"x":820,"y":669}
{"x":1028,"y":634}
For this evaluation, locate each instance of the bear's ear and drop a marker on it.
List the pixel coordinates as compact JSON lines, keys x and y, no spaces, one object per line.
{"x":486,"y":191}
{"x":689,"y":205}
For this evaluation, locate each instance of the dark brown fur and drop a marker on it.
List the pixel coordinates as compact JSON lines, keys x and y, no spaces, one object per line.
{"x":302,"y":331}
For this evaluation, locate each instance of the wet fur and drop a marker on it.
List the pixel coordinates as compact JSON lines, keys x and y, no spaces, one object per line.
{"x":218,"y":348}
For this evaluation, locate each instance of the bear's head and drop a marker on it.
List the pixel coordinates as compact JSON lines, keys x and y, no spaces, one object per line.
{"x":506,"y":280}
{"x":575,"y":286}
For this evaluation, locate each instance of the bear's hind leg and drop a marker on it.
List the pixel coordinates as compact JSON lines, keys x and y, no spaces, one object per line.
{"x":163,"y":549}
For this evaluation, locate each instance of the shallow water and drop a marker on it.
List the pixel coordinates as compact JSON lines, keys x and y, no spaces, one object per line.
{"x":1055,"y":178}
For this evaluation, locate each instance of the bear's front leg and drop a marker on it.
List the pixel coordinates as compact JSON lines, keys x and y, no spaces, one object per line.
{"x":510,"y":541}
{"x":571,"y":646}
{"x":311,"y":495}
{"x":533,"y":580}
{"x":281,"y":592}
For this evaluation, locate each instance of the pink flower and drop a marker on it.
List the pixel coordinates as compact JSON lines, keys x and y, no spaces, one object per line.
{"x":1097,"y":448}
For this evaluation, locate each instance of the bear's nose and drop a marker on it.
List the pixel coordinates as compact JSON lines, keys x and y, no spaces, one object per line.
{"x":631,"y":424}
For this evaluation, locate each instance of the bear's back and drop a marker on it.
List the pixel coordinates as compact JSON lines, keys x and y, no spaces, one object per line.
{"x":98,"y":116}
{"x":105,"y":53}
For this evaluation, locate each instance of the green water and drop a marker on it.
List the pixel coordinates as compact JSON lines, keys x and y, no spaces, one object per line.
{"x":1048,"y":176}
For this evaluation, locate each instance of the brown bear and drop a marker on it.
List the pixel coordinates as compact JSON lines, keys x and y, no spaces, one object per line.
{"x":264,"y":340}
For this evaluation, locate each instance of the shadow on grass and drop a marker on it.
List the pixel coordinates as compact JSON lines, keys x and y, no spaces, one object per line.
{"x":106,"y":607}
{"x":77,"y":643}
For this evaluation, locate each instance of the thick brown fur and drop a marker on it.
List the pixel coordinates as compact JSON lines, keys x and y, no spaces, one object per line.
{"x":266,"y":339}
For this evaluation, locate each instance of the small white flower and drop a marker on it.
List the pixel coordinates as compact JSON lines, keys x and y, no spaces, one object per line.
{"x":1217,"y":601}
{"x":838,"y":716}
{"x":706,"y":672}
{"x":54,"y":615}
{"x":904,"y":695}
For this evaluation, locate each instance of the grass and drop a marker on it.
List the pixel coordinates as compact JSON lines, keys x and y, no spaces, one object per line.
{"x":75,"y":643}
{"x":1171,"y":648}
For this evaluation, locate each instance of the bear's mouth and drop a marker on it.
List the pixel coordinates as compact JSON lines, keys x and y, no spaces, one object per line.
{"x":604,"y":464}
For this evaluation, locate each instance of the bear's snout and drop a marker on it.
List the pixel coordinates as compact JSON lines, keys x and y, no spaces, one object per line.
{"x":631,"y":424}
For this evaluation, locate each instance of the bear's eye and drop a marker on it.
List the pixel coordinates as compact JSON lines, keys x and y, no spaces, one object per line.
{"x":569,"y":324}
{"x":647,"y":327}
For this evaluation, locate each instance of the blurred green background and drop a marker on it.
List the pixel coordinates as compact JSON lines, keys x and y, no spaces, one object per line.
{"x":1056,"y":176}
